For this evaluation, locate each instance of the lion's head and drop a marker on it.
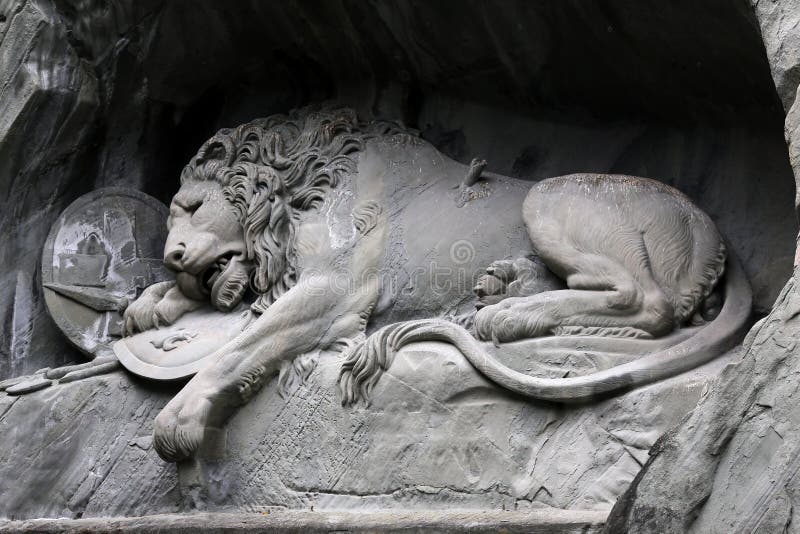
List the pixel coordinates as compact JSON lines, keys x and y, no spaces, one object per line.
{"x":232,"y":223}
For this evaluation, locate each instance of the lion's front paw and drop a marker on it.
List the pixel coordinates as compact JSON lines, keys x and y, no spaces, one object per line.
{"x":159,"y":305}
{"x":172,"y":307}
{"x":180,"y":428}
{"x":502,"y":270}
{"x":140,"y":314}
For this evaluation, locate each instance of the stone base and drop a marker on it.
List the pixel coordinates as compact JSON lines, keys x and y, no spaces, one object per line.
{"x":437,"y":437}
{"x":539,"y":521}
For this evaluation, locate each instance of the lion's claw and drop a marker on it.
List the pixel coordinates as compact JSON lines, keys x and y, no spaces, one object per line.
{"x":159,"y":305}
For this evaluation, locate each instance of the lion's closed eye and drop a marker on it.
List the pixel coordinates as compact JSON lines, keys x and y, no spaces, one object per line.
{"x":193,"y":206}
{"x":189,"y":208}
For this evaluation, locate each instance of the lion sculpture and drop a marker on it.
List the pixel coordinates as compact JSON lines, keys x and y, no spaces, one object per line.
{"x":362,"y":237}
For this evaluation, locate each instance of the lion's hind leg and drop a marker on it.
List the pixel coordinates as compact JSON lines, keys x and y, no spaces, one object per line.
{"x":603,"y":295}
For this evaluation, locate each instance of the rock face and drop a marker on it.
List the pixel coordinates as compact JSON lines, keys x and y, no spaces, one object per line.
{"x":73,"y":455}
{"x":49,"y":101}
{"x":84,"y":448}
{"x":122,"y":94}
{"x":731,"y":465}
{"x":778,"y":23}
{"x":314,"y":522}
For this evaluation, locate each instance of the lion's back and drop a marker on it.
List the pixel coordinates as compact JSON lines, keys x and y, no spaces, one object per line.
{"x":685,"y":251}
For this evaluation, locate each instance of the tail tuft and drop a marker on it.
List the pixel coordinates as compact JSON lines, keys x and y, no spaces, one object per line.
{"x":365,"y":361}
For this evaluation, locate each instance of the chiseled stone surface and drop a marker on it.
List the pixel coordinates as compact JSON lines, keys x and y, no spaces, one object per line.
{"x":303,"y":522}
{"x":48,"y":100}
{"x":676,"y":94}
{"x":384,"y":249}
{"x":84,"y":449}
{"x":680,"y":93}
{"x":779,"y":21}
{"x":102,"y":249}
{"x":732,"y":464}
{"x":35,"y":383}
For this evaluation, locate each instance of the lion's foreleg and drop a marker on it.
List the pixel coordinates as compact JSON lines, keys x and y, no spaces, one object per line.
{"x":314,"y":314}
{"x":173,"y":306}
{"x":308,"y":317}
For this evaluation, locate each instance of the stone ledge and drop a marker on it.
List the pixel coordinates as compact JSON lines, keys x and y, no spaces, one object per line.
{"x":537,"y":521}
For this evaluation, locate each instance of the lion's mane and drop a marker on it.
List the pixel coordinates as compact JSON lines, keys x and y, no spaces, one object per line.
{"x":273,"y":169}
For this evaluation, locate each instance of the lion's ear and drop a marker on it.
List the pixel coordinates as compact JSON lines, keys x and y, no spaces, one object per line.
{"x":220,"y":147}
{"x":215,"y":151}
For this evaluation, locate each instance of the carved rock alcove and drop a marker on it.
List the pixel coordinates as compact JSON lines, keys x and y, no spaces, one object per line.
{"x":124,"y":94}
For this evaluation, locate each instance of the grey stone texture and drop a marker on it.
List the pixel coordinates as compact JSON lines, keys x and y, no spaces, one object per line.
{"x":310,"y":522}
{"x":123,"y":93}
{"x":84,"y":448}
{"x":104,"y":94}
{"x":80,"y":437}
{"x":388,"y":242}
{"x":732,"y":464}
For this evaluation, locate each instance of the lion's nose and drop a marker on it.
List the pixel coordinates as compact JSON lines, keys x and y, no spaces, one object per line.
{"x":173,"y":257}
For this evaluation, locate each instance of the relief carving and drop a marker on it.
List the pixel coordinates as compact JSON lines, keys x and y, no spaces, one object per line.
{"x":319,"y":232}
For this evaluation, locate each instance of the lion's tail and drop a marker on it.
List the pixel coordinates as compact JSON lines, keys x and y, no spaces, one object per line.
{"x":365,"y":363}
